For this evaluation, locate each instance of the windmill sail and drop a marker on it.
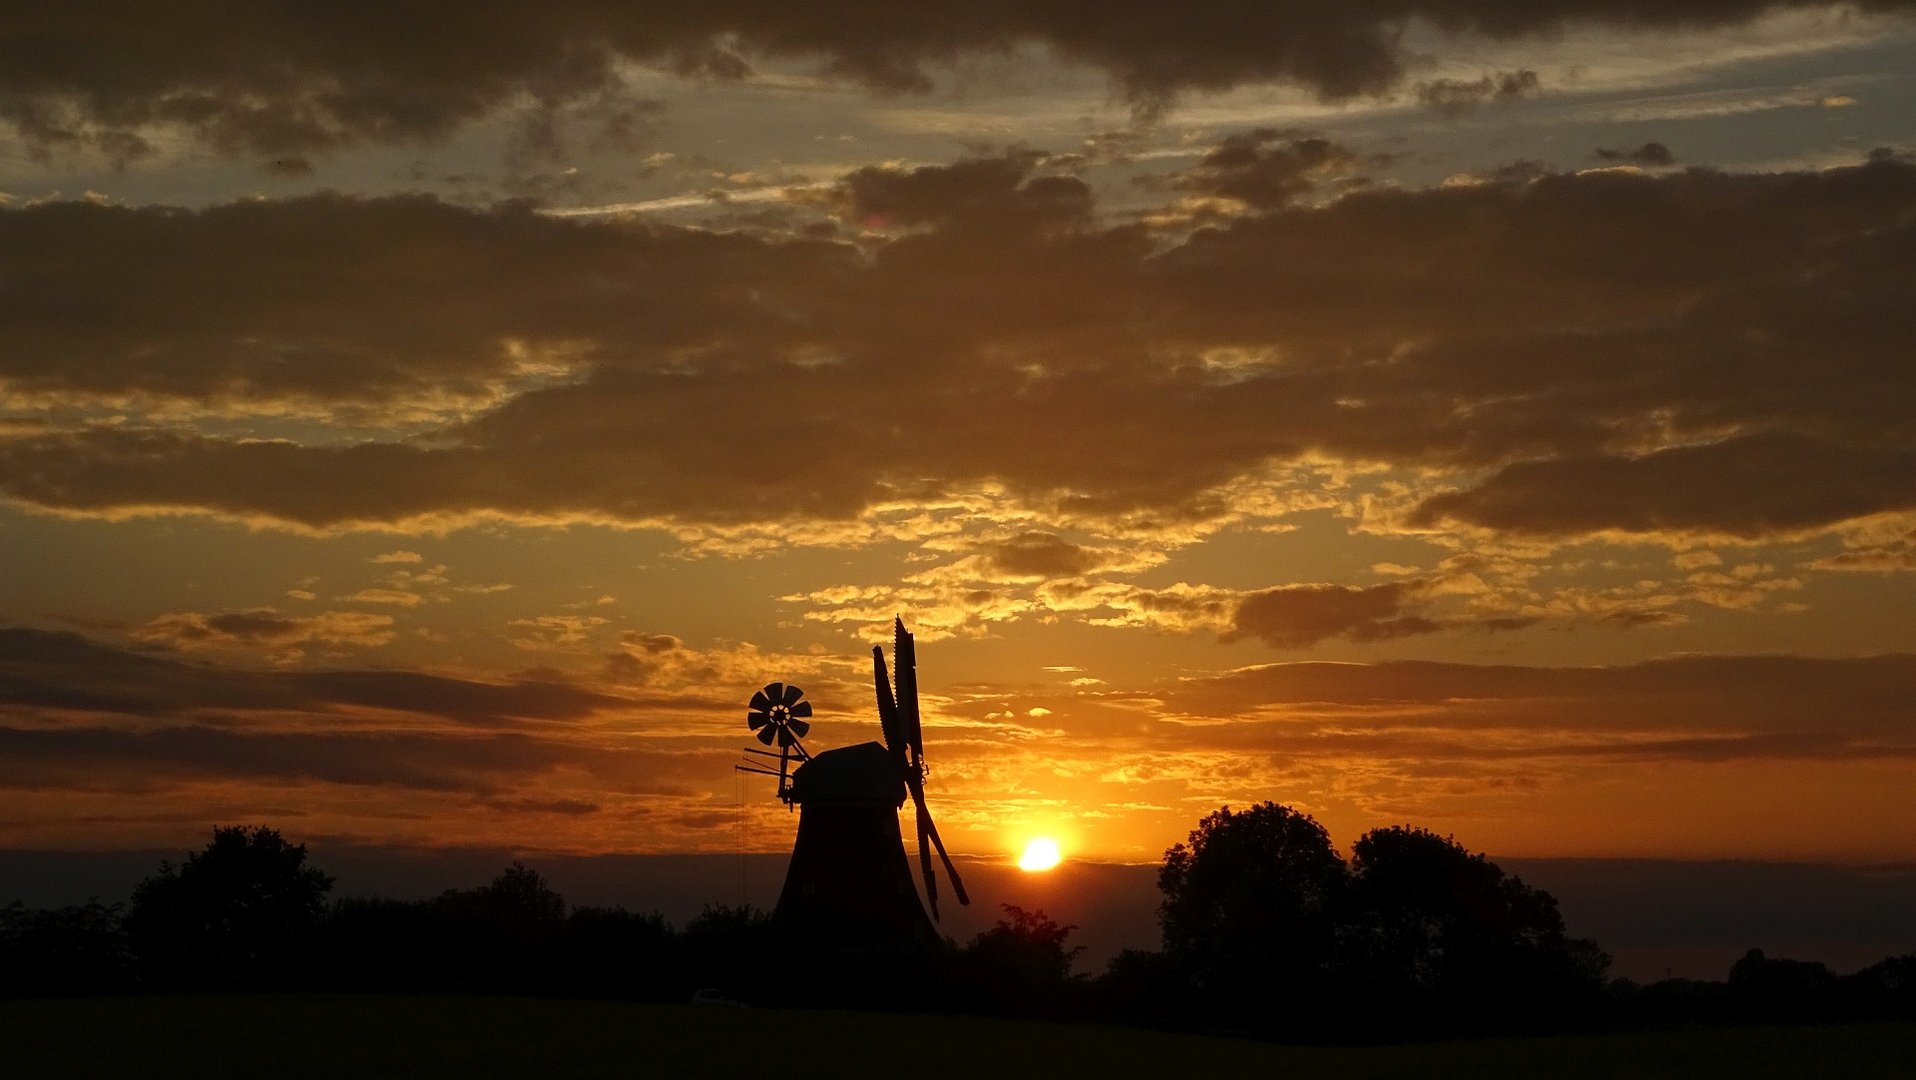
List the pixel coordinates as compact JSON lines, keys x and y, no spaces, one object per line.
{"x":904,"y":656}
{"x":927,"y":827}
{"x":912,"y":755}
{"x":887,"y":706}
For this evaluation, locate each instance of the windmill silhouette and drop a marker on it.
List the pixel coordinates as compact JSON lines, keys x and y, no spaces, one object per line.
{"x":849,"y":880}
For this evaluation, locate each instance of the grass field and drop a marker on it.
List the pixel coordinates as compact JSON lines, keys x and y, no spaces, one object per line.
{"x":338,"y":1038}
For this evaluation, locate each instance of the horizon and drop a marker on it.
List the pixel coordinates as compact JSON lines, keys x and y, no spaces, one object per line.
{"x":1495,"y":421}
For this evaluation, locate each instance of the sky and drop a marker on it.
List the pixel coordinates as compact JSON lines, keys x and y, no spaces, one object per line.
{"x":427,"y":428}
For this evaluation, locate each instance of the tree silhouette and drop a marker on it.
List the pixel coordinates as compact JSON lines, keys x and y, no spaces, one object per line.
{"x":503,"y":935}
{"x":1020,"y":967}
{"x":1139,"y":986}
{"x":237,"y":915}
{"x":612,"y":952}
{"x":737,"y":950}
{"x":80,"y":949}
{"x":1777,"y":988}
{"x":1250,"y":908}
{"x":1430,"y":919}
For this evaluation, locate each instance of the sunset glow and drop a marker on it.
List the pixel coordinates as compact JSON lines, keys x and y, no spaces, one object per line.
{"x":1494,"y":417}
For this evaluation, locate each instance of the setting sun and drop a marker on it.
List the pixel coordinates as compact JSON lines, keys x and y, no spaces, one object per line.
{"x":1040,"y":854}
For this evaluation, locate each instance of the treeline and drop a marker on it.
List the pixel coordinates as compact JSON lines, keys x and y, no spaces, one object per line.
{"x":1266,"y":931}
{"x":248,"y":914}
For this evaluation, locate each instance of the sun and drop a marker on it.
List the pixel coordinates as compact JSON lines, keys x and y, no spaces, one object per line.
{"x":1040,"y":854}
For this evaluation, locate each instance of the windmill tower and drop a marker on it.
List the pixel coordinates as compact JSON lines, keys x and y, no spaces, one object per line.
{"x":849,"y":880}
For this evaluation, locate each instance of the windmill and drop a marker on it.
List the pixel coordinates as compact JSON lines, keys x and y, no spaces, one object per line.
{"x":849,"y":880}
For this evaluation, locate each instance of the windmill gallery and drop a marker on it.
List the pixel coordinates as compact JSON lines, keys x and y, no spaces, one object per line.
{"x":849,"y":883}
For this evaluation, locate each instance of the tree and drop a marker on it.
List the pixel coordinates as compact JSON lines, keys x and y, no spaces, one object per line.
{"x":1250,"y":907}
{"x":237,"y":915}
{"x":1778,"y":988}
{"x":1140,"y":987}
{"x":1020,"y":967}
{"x":612,"y":952}
{"x":502,"y":936}
{"x":1432,"y":920}
{"x":79,"y":949}
{"x":739,"y":951}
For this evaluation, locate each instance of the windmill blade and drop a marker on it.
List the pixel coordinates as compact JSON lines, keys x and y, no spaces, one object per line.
{"x":774,"y":695}
{"x":927,"y":827}
{"x":799,"y":728}
{"x":760,"y":702}
{"x":785,"y":735}
{"x":924,"y":863}
{"x":803,"y":708}
{"x":957,"y":884}
{"x":791,"y":696}
{"x":905,"y":655}
{"x":756,"y":720}
{"x":887,"y":707}
{"x":767,"y":733}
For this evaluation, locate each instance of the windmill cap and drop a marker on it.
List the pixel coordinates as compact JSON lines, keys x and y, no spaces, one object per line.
{"x":865,"y":773}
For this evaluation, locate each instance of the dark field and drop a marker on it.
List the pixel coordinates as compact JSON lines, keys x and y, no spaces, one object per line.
{"x":339,"y":1037}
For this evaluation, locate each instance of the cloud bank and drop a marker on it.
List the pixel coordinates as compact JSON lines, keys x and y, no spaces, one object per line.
{"x":283,"y":80}
{"x":1697,"y":353}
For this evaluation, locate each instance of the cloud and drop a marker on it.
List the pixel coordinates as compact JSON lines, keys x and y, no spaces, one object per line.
{"x":1265,"y":169}
{"x":1883,"y":545}
{"x":554,"y":631}
{"x":1650,"y":153}
{"x":399,"y":597}
{"x":1684,"y":353}
{"x":989,"y":192}
{"x":66,"y":672}
{"x":276,"y":81}
{"x":1042,"y":556}
{"x":1293,"y":616}
{"x":1759,"y":485}
{"x":1456,"y":96}
{"x":265,"y":626}
{"x":1858,"y":702}
{"x":397,"y":752}
{"x":85,"y":756}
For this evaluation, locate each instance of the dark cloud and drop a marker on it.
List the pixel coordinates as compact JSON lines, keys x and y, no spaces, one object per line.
{"x":1294,"y":616}
{"x":82,"y":715}
{"x":569,"y":807}
{"x":1265,"y":169}
{"x":1700,"y":351}
{"x":265,"y":626}
{"x":991,"y":192}
{"x":1756,"y":486}
{"x":108,"y":302}
{"x":98,"y":758}
{"x":1460,"y":95}
{"x":66,"y":672}
{"x":1041,"y":555}
{"x":1783,"y":703}
{"x":1650,"y":153}
{"x":282,"y":79}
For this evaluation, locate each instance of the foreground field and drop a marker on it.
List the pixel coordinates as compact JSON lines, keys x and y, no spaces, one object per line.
{"x":474,"y":1038}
